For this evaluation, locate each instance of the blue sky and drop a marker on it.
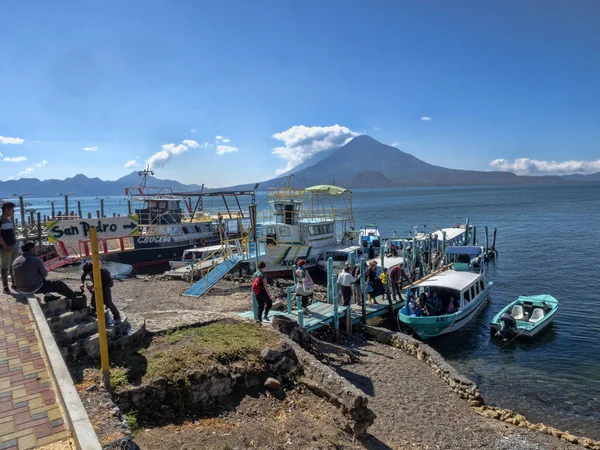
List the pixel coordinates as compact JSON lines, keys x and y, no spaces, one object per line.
{"x":514,"y":82}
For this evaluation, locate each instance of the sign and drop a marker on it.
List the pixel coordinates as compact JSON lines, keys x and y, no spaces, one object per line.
{"x":162,"y":240}
{"x":79,"y":229}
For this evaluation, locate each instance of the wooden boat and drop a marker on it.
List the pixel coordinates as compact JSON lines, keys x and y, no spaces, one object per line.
{"x":525,"y":317}
{"x":460,"y":283}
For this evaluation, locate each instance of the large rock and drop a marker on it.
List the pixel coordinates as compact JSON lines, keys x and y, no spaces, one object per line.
{"x":273,"y":384}
{"x":270,"y":354}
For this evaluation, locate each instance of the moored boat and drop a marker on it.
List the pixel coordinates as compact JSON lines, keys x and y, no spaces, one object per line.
{"x":525,"y":317}
{"x":461,"y":288}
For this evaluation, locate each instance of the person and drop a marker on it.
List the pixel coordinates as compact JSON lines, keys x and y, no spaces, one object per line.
{"x":263,"y":298}
{"x":435,"y":305}
{"x":395,"y":234}
{"x":302,"y":275}
{"x":451,"y":306}
{"x":373,"y":282}
{"x":107,"y":284}
{"x":422,"y":305}
{"x":30,"y":275}
{"x":356,"y":289}
{"x":345,"y":281}
{"x":414,"y":307}
{"x":384,"y":277}
{"x":8,"y":245}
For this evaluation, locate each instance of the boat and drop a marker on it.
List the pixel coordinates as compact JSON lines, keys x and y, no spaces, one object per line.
{"x":195,"y":259}
{"x":166,"y":223}
{"x":525,"y":317}
{"x":459,"y":282}
{"x":370,"y":239}
{"x":341,"y":256}
{"x":303,"y":224}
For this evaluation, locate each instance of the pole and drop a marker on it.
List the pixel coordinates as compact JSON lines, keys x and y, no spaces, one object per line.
{"x":79,"y":209}
{"x":494,"y":241}
{"x":363,"y":285}
{"x":474,"y":235}
{"x":466,"y":240}
{"x":23,"y":219}
{"x":39,"y":228}
{"x":129,"y":207}
{"x":101,"y":207}
{"x":53,"y":214}
{"x":66,"y":204}
{"x":105,"y":364}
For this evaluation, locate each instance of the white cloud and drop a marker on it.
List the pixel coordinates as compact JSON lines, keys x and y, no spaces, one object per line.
{"x":524,"y":166}
{"x":425,"y":118}
{"x":15,"y":159}
{"x":395,"y":144}
{"x":190,"y":143}
{"x":159,"y":159}
{"x":130,"y":164}
{"x":26,"y":171}
{"x":302,"y":142}
{"x":94,"y":148}
{"x":219,"y":138}
{"x":41,"y":164}
{"x":222,"y":149}
{"x":193,"y":130}
{"x":11,"y":140}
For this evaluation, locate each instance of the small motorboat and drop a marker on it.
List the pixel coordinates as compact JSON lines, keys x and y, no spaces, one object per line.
{"x":525,"y":317}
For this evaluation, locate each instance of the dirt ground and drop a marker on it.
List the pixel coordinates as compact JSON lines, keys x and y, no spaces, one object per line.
{"x":296,"y":420}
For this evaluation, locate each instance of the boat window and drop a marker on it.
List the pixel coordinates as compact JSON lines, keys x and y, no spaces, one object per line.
{"x":467,"y":295}
{"x":473,"y":293}
{"x":481,"y":286}
{"x":284,"y":231}
{"x":185,"y":230}
{"x":197,"y":228}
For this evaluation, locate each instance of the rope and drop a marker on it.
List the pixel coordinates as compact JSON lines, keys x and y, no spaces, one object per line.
{"x":512,"y":339}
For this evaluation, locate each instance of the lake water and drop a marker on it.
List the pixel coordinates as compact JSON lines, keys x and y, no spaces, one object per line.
{"x":547,"y":243}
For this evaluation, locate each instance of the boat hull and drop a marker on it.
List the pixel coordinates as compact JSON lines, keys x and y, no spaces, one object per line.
{"x":431,"y":326}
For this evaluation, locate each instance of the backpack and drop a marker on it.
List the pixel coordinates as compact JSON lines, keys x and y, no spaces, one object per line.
{"x":257,"y":285}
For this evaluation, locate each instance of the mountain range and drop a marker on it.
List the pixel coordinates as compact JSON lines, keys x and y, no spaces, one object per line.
{"x":361,"y":163}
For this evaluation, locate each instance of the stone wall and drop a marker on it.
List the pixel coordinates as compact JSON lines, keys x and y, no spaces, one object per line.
{"x":202,"y":389}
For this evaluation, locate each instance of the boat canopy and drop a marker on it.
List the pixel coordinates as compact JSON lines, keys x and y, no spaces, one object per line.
{"x":464,"y":250}
{"x":326,"y":189}
{"x":451,"y":280}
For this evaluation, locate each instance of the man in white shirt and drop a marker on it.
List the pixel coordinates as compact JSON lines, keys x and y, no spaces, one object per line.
{"x":345,"y":280}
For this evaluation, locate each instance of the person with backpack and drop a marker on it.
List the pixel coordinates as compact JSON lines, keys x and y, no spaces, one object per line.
{"x":107,"y":284}
{"x":261,"y":292}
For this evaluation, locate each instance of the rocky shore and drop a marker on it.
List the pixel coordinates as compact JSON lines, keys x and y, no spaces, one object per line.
{"x":420,"y":401}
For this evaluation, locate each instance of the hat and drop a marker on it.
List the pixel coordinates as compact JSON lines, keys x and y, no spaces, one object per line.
{"x":385,"y":269}
{"x":28,"y":246}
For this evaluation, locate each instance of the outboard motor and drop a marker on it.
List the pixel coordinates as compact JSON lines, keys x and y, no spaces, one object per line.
{"x":508,"y":323}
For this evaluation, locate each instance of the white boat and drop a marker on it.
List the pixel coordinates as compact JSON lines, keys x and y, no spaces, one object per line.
{"x":303,"y":224}
{"x":340,"y":256}
{"x":525,"y":317}
{"x":370,"y":239}
{"x":195,"y":259}
{"x":462,"y":283}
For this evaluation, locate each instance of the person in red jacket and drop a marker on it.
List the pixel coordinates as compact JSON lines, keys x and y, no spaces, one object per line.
{"x":397,"y":276}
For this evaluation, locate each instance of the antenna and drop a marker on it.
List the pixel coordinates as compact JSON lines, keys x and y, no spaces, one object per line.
{"x":144,"y":174}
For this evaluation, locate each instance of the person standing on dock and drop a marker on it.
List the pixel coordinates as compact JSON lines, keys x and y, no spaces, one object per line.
{"x":305,"y":285}
{"x":384,"y":277}
{"x":8,"y":245}
{"x":356,"y":289}
{"x":107,"y":284}
{"x":345,"y":280}
{"x":263,"y":298}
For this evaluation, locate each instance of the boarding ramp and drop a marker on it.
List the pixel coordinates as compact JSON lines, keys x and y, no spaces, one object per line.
{"x":233,"y":253}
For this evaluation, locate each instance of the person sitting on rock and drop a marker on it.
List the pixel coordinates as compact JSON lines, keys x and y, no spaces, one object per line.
{"x":30,"y":275}
{"x":107,"y":284}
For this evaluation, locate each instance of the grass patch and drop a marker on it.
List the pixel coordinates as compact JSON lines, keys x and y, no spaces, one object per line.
{"x":376,"y":321}
{"x":194,"y":349}
{"x":118,"y":377}
{"x":132,"y":421}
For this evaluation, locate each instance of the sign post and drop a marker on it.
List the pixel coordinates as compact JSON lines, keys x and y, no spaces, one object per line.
{"x":98,"y":295}
{"x":252,"y":211}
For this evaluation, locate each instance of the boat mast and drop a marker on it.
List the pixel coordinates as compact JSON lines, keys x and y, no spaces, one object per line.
{"x":144,"y":174}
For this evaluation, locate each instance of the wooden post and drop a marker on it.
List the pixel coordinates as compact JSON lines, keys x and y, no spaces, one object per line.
{"x":60,"y":214}
{"x":114,"y":214}
{"x":363,"y":285}
{"x":98,"y":214}
{"x":105,"y":364}
{"x":352,"y":259}
{"x":39,"y":228}
{"x":53,"y":214}
{"x":23,"y":220}
{"x":66,"y":204}
{"x":494,"y":241}
{"x":466,"y":240}
{"x":129,"y":207}
{"x":101,"y":207}
{"x":79,"y":209}
{"x":299,"y":310}
{"x":487,"y":241}
{"x":348,"y":318}
{"x":474,"y":242}
{"x":335,"y":297}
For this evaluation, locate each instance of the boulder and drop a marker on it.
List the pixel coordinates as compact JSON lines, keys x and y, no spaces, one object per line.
{"x":270,"y":354}
{"x":273,"y":384}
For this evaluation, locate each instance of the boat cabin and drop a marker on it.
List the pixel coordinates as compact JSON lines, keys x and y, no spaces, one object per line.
{"x":160,"y":211}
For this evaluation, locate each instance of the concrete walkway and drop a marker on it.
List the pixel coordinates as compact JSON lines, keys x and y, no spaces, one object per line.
{"x":30,"y":413}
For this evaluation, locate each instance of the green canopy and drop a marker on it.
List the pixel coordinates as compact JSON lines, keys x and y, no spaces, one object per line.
{"x":326,"y":189}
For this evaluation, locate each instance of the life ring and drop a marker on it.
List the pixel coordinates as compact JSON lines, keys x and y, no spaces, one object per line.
{"x":202,"y":241}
